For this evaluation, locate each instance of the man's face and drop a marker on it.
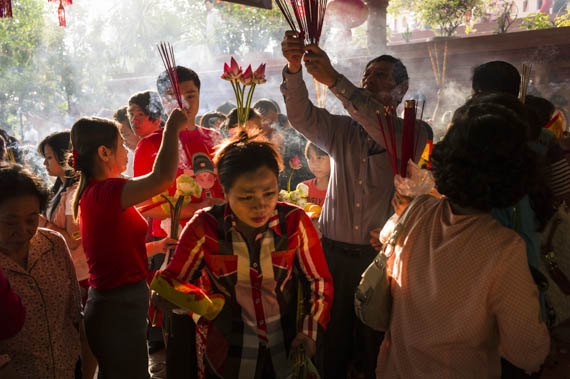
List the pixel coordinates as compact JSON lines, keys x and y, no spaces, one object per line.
{"x":379,"y":80}
{"x":190,"y":100}
{"x":141,"y":123}
{"x":209,"y":5}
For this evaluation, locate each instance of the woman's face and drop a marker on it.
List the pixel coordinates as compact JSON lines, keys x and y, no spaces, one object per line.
{"x":50,"y":161}
{"x":253,"y":196}
{"x":119,"y":158}
{"x":19,"y":218}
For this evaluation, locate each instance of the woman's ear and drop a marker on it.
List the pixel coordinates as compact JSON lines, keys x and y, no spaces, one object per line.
{"x":103,"y":153}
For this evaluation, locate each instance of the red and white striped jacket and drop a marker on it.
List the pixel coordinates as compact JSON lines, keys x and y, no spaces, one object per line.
{"x":260,"y":286}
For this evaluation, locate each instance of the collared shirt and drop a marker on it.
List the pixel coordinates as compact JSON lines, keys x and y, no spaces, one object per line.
{"x":361,"y":185}
{"x":48,"y":345}
{"x":259,"y":282}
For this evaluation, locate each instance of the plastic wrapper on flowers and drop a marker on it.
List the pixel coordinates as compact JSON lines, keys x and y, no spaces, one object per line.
{"x":417,"y":181}
{"x":187,"y":296}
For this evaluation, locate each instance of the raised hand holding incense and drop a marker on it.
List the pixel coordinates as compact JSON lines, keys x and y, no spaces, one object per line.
{"x":293,"y":49}
{"x":319,"y":65}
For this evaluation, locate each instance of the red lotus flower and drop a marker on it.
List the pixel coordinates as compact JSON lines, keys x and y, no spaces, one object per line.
{"x":247,"y":77}
{"x":233,"y":71}
{"x":295,"y":163}
{"x":259,"y":74}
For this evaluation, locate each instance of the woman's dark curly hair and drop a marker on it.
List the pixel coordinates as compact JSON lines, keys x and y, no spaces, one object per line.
{"x":484,"y":161}
{"x":540,"y":194}
{"x":15,"y":180}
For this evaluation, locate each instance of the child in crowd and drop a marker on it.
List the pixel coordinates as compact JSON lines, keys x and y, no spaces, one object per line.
{"x":320,"y":166}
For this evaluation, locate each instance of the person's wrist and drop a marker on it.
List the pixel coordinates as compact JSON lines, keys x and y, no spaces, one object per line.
{"x":334,"y":80}
{"x":293,"y":68}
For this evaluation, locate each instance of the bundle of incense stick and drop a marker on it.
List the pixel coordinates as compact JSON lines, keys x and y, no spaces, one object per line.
{"x":439,"y":70}
{"x":410,"y":135}
{"x":525,"y":80}
{"x":167,"y":54}
{"x":305,"y":16}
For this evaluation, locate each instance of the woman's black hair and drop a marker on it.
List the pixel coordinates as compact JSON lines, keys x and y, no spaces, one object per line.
{"x":15,"y":180}
{"x":483,"y":160}
{"x":59,"y":142}
{"x":540,"y":194}
{"x":87,"y":134}
{"x":244,"y":153}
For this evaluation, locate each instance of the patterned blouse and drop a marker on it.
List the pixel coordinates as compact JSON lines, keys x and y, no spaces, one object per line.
{"x":260,"y":285}
{"x":48,"y":346}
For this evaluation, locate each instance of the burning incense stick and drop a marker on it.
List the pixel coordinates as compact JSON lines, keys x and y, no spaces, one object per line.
{"x":305,"y":16}
{"x":167,"y":54}
{"x":525,"y":80}
{"x":439,"y":69}
{"x":320,"y":93}
{"x":390,"y":154}
{"x":410,"y":133}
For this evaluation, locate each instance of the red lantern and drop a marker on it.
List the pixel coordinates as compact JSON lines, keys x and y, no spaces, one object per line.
{"x":5,"y":8}
{"x":348,"y":13}
{"x":61,"y":15}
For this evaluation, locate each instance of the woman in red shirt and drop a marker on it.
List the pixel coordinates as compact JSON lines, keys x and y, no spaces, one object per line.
{"x":113,"y":234}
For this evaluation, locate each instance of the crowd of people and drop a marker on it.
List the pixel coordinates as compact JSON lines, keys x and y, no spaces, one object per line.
{"x":77,"y":258}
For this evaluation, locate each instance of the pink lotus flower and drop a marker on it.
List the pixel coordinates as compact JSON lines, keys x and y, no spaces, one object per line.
{"x":247,"y":77}
{"x":259,"y":74}
{"x":233,"y":71}
{"x":295,"y":163}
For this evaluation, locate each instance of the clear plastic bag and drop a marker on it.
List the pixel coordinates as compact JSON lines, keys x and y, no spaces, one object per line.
{"x":417,"y":181}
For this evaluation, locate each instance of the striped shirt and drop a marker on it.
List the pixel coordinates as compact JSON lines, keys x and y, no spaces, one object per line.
{"x":260,"y":285}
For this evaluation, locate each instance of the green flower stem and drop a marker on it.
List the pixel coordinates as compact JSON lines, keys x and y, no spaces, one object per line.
{"x":289,"y":181}
{"x":248,"y":103}
{"x":241,"y":118}
{"x":237,"y":92}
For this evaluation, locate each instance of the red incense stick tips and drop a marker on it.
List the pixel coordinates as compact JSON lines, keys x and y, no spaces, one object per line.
{"x":167,"y":54}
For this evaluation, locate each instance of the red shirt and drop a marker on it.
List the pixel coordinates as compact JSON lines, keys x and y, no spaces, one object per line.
{"x":316,"y":196}
{"x":193,"y":143}
{"x":113,"y":239}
